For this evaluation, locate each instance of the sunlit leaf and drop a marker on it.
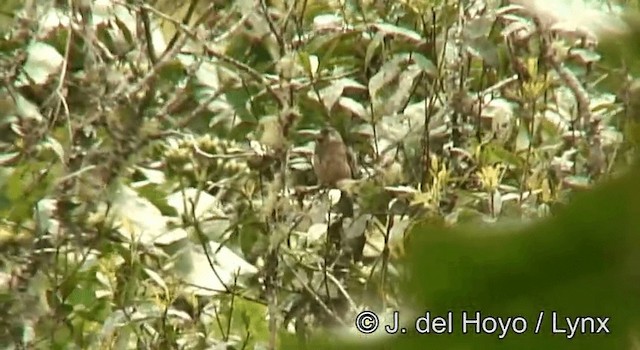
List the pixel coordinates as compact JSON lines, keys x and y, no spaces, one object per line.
{"x":399,"y":32}
{"x":43,"y":60}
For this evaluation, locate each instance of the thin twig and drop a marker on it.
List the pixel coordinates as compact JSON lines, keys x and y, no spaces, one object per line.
{"x":313,"y":294}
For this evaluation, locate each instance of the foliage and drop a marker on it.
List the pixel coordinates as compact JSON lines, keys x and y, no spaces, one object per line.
{"x":570,"y":265}
{"x":157,"y":191}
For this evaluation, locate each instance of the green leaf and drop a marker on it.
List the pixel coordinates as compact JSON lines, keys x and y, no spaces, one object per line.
{"x":305,"y":61}
{"x":157,"y":197}
{"x":495,"y":152}
{"x":399,"y":32}
{"x":426,"y":65}
{"x":43,"y":61}
{"x":23,"y":187}
{"x":172,"y":72}
{"x":27,"y":109}
{"x":487,"y":50}
{"x":55,"y":146}
{"x":372,"y":47}
{"x":8,"y":158}
{"x":388,"y":72}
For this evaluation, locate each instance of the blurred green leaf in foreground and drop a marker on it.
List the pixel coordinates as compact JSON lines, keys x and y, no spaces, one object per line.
{"x":583,"y":262}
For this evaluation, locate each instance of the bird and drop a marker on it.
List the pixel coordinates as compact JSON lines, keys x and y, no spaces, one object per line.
{"x":332,"y":160}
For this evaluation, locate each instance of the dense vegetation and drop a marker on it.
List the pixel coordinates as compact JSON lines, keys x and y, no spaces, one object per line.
{"x":157,"y":189}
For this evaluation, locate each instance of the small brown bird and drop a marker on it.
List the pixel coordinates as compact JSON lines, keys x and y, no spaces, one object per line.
{"x":332,"y":161}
